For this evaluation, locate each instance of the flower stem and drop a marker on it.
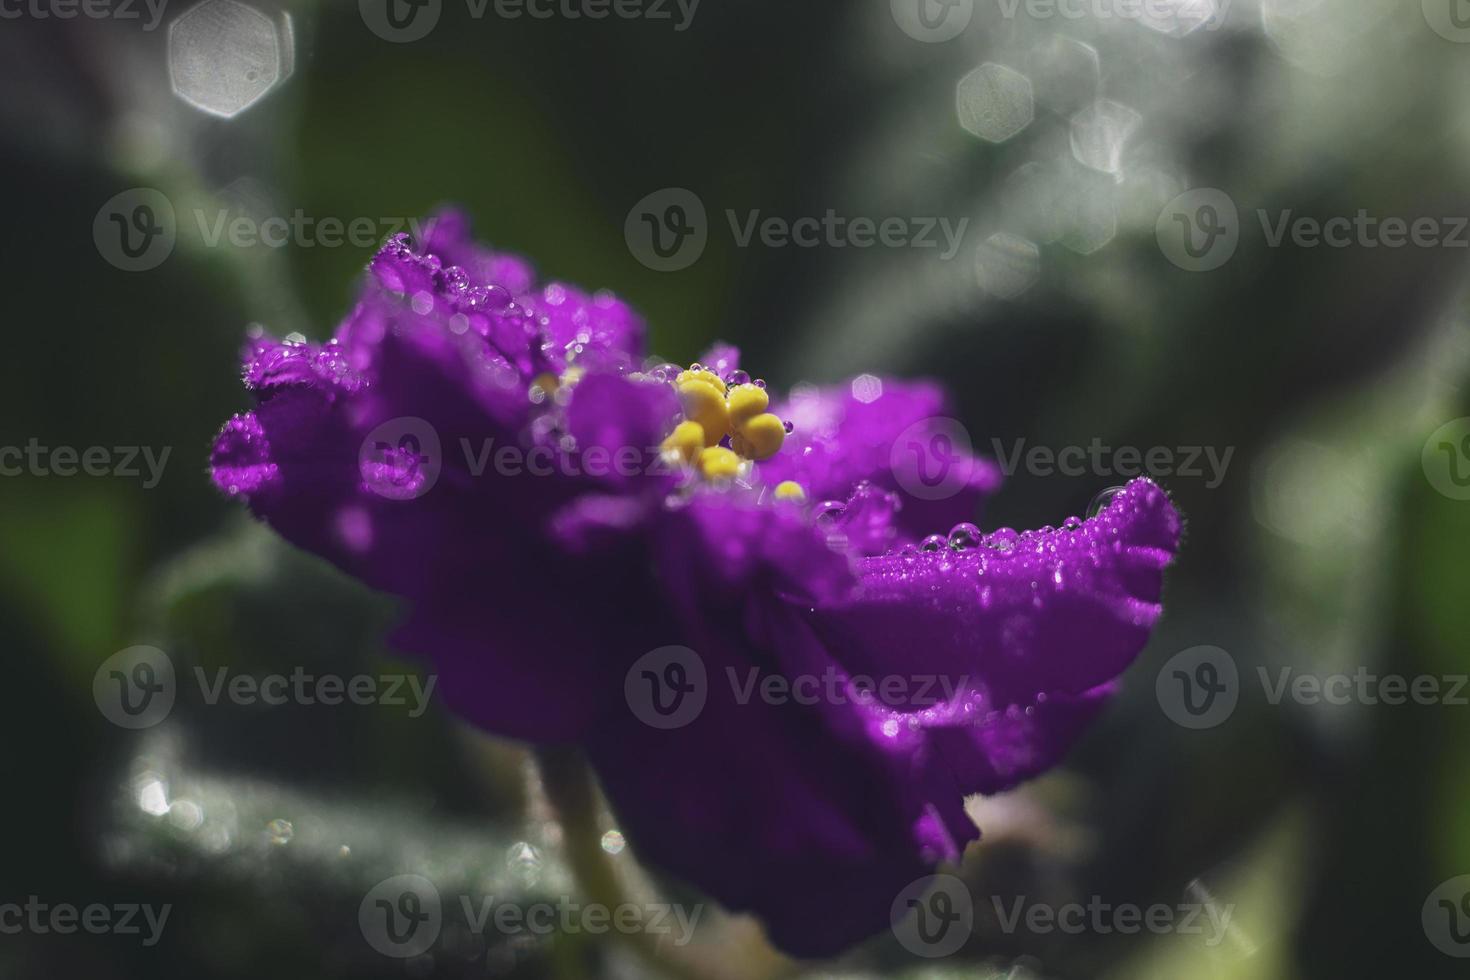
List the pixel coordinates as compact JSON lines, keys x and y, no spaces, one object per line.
{"x":572,"y":792}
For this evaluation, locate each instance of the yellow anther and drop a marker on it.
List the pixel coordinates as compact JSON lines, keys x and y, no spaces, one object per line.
{"x":745,"y":403}
{"x":547,"y":382}
{"x":703,"y":404}
{"x":719,"y":463}
{"x":701,"y":376}
{"x":760,"y":438}
{"x":686,"y":441}
{"x":790,"y":490}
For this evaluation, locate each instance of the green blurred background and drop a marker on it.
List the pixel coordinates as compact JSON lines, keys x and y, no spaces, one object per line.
{"x":1326,"y":548}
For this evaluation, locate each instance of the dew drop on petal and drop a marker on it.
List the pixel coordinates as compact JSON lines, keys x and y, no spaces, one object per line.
{"x":1003,"y":539}
{"x":1101,"y":501}
{"x":964,"y":536}
{"x":830,"y":510}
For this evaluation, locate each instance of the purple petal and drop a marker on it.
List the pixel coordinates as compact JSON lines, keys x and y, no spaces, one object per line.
{"x":842,"y":437}
{"x":790,"y":812}
{"x":623,"y":420}
{"x":723,"y":359}
{"x":1022,"y":632}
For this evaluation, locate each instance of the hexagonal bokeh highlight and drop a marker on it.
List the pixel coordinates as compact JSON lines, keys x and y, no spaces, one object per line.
{"x":867,"y":388}
{"x":1100,"y":134}
{"x":224,"y":56}
{"x":1007,"y":265}
{"x":1092,"y":212}
{"x":1065,"y":73}
{"x":994,"y":102}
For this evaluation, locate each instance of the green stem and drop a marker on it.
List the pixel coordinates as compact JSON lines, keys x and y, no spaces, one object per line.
{"x":573,"y":794}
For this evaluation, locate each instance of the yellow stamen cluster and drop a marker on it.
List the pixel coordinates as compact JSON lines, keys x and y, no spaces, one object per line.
{"x":713,"y":410}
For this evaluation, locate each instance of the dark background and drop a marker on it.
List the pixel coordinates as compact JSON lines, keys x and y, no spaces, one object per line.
{"x":1325,"y":548}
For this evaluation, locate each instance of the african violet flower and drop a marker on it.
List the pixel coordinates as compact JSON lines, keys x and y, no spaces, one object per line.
{"x":403,"y":450}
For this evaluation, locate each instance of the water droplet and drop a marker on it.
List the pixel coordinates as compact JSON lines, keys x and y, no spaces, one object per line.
{"x":789,"y":426}
{"x":280,"y":831}
{"x":1003,"y":539}
{"x":964,"y":536}
{"x":1101,"y":501}
{"x":829,"y":511}
{"x":738,"y":378}
{"x":934,"y":542}
{"x":613,"y":842}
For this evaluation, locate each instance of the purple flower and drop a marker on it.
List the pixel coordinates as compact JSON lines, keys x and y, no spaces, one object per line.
{"x":553,"y":506}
